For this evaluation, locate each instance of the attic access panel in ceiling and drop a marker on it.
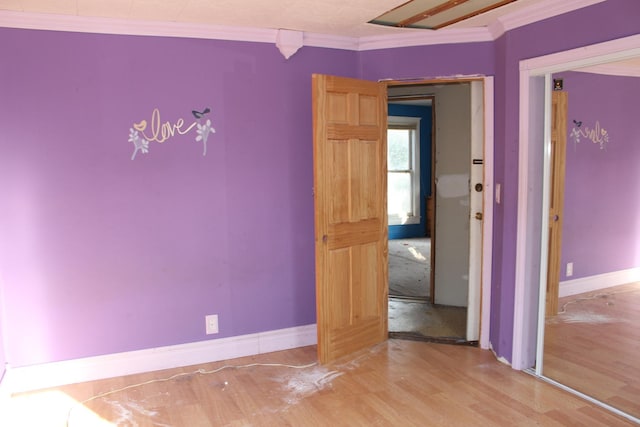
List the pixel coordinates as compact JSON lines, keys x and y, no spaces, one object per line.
{"x":434,"y":14}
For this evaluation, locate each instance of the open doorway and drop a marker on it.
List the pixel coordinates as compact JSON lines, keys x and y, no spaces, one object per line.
{"x":429,"y":208}
{"x":410,"y":186}
{"x":351,"y":226}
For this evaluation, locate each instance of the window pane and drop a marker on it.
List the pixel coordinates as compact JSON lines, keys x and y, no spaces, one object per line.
{"x":399,"y":194}
{"x":398,"y":149}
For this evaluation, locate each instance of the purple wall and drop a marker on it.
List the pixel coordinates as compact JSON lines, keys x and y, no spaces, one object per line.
{"x":501,"y":298}
{"x":428,"y":61}
{"x":602,"y":201}
{"x":601,"y":22}
{"x":103,"y":254}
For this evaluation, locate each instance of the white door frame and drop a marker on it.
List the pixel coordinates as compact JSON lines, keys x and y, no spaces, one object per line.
{"x":480,"y":311}
{"x":487,"y":206}
{"x":533,"y":188}
{"x":480,"y":256}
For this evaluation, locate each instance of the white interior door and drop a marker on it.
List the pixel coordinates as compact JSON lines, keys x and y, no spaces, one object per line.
{"x":476,"y":210}
{"x":459,"y":166}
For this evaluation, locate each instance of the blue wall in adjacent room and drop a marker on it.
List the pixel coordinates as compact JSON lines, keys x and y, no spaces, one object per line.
{"x":424,"y":112}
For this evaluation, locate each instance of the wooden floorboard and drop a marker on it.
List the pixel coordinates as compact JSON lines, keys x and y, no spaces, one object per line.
{"x":396,"y":383}
{"x":592,"y":346}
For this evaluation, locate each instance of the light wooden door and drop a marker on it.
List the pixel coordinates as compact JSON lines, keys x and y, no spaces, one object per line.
{"x":350,"y":193}
{"x":559,"y":103}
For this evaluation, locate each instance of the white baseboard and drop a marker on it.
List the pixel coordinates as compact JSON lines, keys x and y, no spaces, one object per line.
{"x":114,"y":365}
{"x":597,"y":282}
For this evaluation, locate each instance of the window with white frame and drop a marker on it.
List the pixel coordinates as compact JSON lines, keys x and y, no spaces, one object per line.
{"x":403,"y":170}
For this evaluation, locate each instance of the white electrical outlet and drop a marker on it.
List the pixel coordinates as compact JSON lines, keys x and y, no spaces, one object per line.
{"x":212,"y":324}
{"x":569,"y":269}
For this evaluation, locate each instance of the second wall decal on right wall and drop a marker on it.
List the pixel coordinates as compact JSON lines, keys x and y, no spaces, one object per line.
{"x":596,"y":133}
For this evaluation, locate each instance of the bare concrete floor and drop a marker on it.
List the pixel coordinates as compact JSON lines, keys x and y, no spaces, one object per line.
{"x":422,"y":319}
{"x":411,"y":315}
{"x":410,"y":267}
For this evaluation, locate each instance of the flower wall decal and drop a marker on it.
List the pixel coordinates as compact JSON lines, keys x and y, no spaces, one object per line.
{"x":596,"y":134}
{"x":163,"y":131}
{"x":203,"y":134}
{"x":139,"y":143}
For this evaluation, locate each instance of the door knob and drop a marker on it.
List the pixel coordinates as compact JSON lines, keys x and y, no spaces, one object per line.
{"x":478,"y":187}
{"x":479,"y":215}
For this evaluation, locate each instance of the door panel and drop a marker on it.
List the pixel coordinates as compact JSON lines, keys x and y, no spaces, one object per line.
{"x":477,"y":210}
{"x":559,"y":105}
{"x":351,"y":221}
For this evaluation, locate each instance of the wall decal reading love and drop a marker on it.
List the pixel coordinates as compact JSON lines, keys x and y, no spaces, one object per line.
{"x":141,"y":134}
{"x":595,"y":134}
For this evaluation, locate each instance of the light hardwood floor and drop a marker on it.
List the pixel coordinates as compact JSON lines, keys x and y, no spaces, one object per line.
{"x":593,"y":345}
{"x":396,"y":383}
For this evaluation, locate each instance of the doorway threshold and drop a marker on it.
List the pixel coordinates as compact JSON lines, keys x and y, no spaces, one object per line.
{"x":413,"y":336}
{"x":409,"y":298}
{"x":423,"y":319}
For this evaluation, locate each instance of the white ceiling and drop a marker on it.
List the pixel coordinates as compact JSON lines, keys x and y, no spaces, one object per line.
{"x":334,"y":17}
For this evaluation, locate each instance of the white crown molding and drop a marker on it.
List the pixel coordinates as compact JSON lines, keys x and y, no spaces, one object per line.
{"x":538,"y":12}
{"x":33,"y":21}
{"x":330,"y":41}
{"x":82,"y":24}
{"x":544,"y":10}
{"x":496,"y":29}
{"x":450,"y":36}
{"x":289,"y":41}
{"x":55,"y":374}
